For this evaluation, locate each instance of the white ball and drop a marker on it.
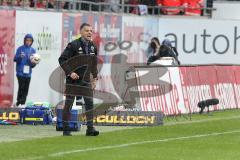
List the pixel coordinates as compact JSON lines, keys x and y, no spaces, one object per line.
{"x":35,"y":58}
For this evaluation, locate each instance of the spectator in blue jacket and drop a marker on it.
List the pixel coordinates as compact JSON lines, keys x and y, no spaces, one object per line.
{"x":24,"y":68}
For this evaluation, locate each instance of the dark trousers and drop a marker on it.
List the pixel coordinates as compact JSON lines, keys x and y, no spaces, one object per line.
{"x":69,"y":103}
{"x":23,"y":87}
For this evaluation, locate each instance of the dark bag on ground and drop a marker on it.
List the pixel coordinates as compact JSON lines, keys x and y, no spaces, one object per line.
{"x":36,"y":114}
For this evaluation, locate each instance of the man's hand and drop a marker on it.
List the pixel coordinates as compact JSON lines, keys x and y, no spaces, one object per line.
{"x":94,"y":83}
{"x":74,"y":76}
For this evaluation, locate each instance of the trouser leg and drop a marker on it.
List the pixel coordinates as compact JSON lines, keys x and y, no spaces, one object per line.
{"x":89,"y":111}
{"x":66,"y":115}
{"x":23,"y":87}
{"x":89,"y":107}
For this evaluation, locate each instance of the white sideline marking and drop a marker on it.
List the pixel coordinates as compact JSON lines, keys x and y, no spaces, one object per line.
{"x":130,"y":144}
{"x":141,"y":142}
{"x":199,"y":121}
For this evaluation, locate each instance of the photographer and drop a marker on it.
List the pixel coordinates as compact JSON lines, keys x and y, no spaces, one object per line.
{"x":163,"y":52}
{"x":153,"y":47}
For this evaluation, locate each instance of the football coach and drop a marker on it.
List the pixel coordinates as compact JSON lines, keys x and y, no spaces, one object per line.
{"x":79,"y":62}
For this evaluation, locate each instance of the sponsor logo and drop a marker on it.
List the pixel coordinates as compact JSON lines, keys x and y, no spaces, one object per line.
{"x":125,"y":119}
{"x":14,"y":116}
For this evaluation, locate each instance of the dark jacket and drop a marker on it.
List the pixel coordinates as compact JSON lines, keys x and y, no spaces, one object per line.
{"x":164,"y":51}
{"x":75,"y":59}
{"x":22,"y":62}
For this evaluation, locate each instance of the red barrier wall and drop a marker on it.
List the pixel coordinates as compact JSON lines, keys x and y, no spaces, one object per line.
{"x":7,"y":45}
{"x":189,"y":85}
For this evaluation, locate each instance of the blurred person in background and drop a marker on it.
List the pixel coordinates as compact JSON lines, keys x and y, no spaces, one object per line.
{"x":149,"y":3}
{"x":170,"y":3}
{"x":16,"y":2}
{"x":4,"y":2}
{"x":162,"y":52}
{"x":133,"y":10}
{"x":173,"y":50}
{"x":153,"y":47}
{"x":193,"y":7}
{"x":45,"y":4}
{"x":25,"y":3}
{"x":113,"y":6}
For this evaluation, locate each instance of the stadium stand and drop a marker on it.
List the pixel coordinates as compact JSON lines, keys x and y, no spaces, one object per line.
{"x":153,"y":7}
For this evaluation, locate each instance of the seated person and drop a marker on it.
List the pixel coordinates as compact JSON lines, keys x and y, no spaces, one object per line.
{"x":168,"y":43}
{"x":168,"y":4}
{"x":45,"y":4}
{"x":193,"y":7}
{"x":133,"y":10}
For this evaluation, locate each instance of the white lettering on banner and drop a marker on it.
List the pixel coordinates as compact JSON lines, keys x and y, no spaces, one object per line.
{"x":237,"y":93}
{"x":206,"y":38}
{"x":194,"y":94}
{"x":225,"y":93}
{"x":195,"y":41}
{"x":3,"y":64}
{"x":109,"y":32}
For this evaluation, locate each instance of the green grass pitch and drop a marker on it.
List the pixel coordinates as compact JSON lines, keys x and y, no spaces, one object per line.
{"x":204,"y":137}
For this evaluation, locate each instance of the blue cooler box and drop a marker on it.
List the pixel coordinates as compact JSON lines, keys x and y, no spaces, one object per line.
{"x":74,"y":124}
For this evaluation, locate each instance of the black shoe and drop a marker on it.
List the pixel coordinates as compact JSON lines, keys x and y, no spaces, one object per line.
{"x":67,"y":133}
{"x":92,"y":132}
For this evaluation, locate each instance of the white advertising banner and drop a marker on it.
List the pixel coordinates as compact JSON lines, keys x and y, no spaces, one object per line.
{"x":46,"y":28}
{"x":139,"y":31}
{"x":203,"y":41}
{"x":226,"y":10}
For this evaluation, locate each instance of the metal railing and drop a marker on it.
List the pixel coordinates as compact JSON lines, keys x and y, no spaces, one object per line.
{"x":79,"y":5}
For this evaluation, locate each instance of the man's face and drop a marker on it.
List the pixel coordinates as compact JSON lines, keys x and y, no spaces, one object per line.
{"x":86,"y":33}
{"x":28,"y":42}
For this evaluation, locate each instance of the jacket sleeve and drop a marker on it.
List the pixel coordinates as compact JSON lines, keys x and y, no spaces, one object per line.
{"x":94,"y":69}
{"x":65,"y":56}
{"x":17,"y":57}
{"x":175,"y":50}
{"x":29,"y":60}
